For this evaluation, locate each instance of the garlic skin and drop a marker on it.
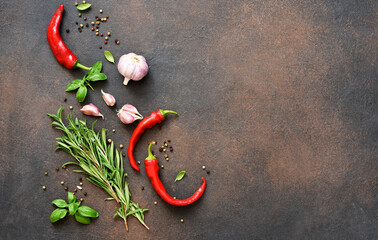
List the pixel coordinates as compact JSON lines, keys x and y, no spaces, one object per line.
{"x":132,"y":67}
{"x":108,"y":98}
{"x":129,"y":114}
{"x":91,"y":110}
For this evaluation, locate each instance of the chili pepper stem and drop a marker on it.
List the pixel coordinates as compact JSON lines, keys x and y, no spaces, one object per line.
{"x":164,"y":112}
{"x":150,"y":155}
{"x":79,"y":65}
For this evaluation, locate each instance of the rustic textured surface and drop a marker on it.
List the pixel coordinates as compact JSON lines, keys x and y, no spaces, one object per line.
{"x":277,"y":98}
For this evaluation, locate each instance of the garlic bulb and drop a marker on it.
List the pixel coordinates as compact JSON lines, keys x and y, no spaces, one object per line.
{"x":91,"y":110}
{"x":132,"y":67}
{"x":128,"y":114}
{"x":108,"y":98}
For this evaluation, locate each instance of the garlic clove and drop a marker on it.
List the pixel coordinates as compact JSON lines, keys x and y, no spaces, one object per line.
{"x":108,"y":98}
{"x":91,"y":110}
{"x":132,"y":67}
{"x":129,"y":114}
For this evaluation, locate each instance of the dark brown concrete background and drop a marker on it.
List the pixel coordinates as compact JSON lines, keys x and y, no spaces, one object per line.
{"x":277,"y":98}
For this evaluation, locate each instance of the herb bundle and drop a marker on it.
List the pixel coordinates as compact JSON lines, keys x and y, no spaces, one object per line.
{"x":100,"y":161}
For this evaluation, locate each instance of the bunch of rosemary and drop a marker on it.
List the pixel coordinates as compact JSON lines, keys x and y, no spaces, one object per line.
{"x":100,"y":161}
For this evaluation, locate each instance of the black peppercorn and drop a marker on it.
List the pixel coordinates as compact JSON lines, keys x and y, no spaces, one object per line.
{"x":67,"y":30}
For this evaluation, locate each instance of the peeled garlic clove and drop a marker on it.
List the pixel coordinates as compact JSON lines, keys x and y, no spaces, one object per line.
{"x":91,"y":110}
{"x":129,"y":114}
{"x":132,"y":67}
{"x":108,"y":98}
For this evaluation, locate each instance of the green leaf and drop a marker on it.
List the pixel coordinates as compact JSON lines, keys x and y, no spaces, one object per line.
{"x":87,"y":212}
{"x":96,"y":77}
{"x":72,"y":208}
{"x":75,"y":84}
{"x":109,"y":56}
{"x":84,"y":6}
{"x":180,"y":175}
{"x":81,"y":93}
{"x":71,"y":197}
{"x":57,"y":214}
{"x":60,"y":203}
{"x":96,"y":68}
{"x":82,"y":219}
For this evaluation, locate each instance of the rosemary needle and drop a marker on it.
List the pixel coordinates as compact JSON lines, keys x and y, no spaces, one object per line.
{"x":100,"y":161}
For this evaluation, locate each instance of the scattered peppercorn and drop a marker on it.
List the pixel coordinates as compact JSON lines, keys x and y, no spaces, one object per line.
{"x":45,"y":173}
{"x":74,"y":193}
{"x":117,"y":42}
{"x":85,"y":193}
{"x":166,"y":145}
{"x":165,"y":155}
{"x":138,"y":162}
{"x":106,"y":38}
{"x":87,"y":25}
{"x":81,"y":200}
{"x":160,"y":150}
{"x":92,"y":23}
{"x":162,"y":147}
{"x":76,"y":23}
{"x":169,"y":140}
{"x":66,"y":188}
{"x":164,"y":150}
{"x":101,"y":34}
{"x":92,"y":29}
{"x":57,"y":169}
{"x":97,"y":35}
{"x":174,"y":197}
{"x":203,"y":167}
{"x":75,"y":190}
{"x":208,"y":171}
{"x":83,"y":2}
{"x":121,"y":146}
{"x":76,"y":4}
{"x":155,"y":203}
{"x":109,"y":140}
{"x":61,"y":182}
{"x":113,"y":130}
{"x":96,"y":16}
{"x":97,"y":30}
{"x":142,"y":188}
{"x":80,"y":30}
{"x":85,"y":19}
{"x":182,"y":220}
{"x":106,"y":42}
{"x":64,"y":167}
{"x":108,"y":33}
{"x":167,"y":159}
{"x":162,"y":166}
{"x":65,"y":99}
{"x":44,"y":187}
{"x":79,"y":14}
{"x":67,"y":30}
{"x":123,"y":154}
{"x":98,"y":22}
{"x":107,"y":17}
{"x":100,"y":10}
{"x":81,"y":25}
{"x":171,"y":149}
{"x":81,"y":184}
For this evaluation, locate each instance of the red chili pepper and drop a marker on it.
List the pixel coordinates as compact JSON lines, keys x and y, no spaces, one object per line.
{"x":147,"y":122}
{"x":152,"y":169}
{"x":61,"y":52}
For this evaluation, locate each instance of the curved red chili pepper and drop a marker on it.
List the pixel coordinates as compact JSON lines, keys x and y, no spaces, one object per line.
{"x":147,"y":122}
{"x":152,"y":169}
{"x":61,"y":52}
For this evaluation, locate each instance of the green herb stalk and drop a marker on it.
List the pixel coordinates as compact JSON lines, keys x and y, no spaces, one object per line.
{"x":99,"y":160}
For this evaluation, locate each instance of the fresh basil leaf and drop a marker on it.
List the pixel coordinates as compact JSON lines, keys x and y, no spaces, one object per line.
{"x":109,"y":56}
{"x":78,"y":204}
{"x":180,"y":175}
{"x":71,"y":197}
{"x":82,"y":219}
{"x":84,"y":6}
{"x":81,"y":93}
{"x":60,"y":203}
{"x":96,"y":68}
{"x":58,"y":214}
{"x":86,"y":211}
{"x":96,"y":77}
{"x":72,"y":208}
{"x":75,"y":84}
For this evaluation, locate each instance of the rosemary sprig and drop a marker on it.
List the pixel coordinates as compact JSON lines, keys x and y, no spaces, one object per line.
{"x":100,"y":161}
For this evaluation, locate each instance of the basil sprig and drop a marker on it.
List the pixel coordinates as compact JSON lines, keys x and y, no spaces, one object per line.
{"x":93,"y":75}
{"x":83,"y":214}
